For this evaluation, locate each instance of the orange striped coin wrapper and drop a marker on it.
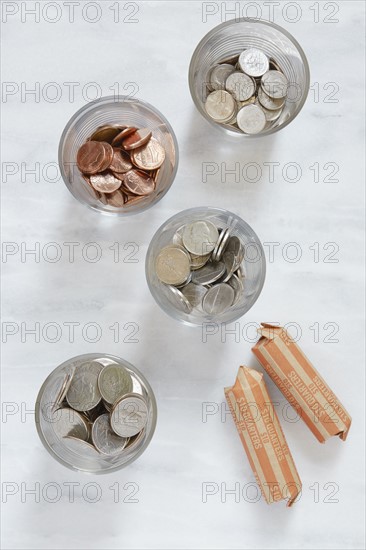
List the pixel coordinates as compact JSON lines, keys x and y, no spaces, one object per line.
{"x":301,"y":384}
{"x":262,"y":437}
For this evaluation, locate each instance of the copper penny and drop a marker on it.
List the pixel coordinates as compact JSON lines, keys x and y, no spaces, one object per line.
{"x":105,"y":183}
{"x":138,"y":183}
{"x":149,"y":156}
{"x":108,"y":155}
{"x":133,"y":199}
{"x":105,"y":133}
{"x":120,"y":162}
{"x":122,"y":135}
{"x":91,"y":157}
{"x":137,"y":139}
{"x":115,"y":199}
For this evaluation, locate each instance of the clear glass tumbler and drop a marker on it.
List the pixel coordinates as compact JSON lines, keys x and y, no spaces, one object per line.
{"x":231,"y":38}
{"x":253,"y":265}
{"x":116,"y":110}
{"x":95,"y":463}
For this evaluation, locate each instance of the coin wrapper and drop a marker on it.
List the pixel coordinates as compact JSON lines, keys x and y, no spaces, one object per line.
{"x":262,"y":437}
{"x":301,"y":384}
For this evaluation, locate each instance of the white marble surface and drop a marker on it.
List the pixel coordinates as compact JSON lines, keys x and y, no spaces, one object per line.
{"x":154,"y":53}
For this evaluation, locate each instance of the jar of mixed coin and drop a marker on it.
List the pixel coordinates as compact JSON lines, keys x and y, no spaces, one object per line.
{"x":249,"y":77}
{"x":205,"y":264}
{"x":118,"y":155}
{"x":96,"y":413}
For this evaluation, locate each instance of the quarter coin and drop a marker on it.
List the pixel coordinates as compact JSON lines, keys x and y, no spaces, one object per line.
{"x":83,"y":393}
{"x":129,"y":415}
{"x":114,"y":381}
{"x":81,"y":447}
{"x":63,"y":390}
{"x":105,"y":439}
{"x":66,"y":422}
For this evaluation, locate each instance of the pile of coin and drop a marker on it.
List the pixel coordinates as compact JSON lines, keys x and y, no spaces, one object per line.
{"x":99,"y":410}
{"x":202,"y":269}
{"x":246,"y":91}
{"x":121,"y":164}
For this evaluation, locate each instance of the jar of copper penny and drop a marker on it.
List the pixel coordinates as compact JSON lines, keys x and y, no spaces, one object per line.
{"x":118,"y":155}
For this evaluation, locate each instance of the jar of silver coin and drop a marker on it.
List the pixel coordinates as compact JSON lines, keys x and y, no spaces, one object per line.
{"x":156,"y":162}
{"x":95,"y":413}
{"x":205,"y":265}
{"x":249,"y":77}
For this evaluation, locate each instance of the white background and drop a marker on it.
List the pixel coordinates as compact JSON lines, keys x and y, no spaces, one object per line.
{"x":154,"y":54}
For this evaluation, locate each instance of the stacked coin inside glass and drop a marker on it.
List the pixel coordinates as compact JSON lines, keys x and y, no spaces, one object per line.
{"x":99,"y":408}
{"x":247,"y":91}
{"x":121,"y":164}
{"x":202,"y":269}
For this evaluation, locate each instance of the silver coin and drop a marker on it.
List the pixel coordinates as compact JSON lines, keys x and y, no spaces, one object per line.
{"x":83,"y":393}
{"x":63,"y":390}
{"x":188,"y":280}
{"x":209,"y":273}
{"x":199,"y":261}
{"x":178,"y":236}
{"x":231,"y":60}
{"x":275,"y":84}
{"x":271,"y":116}
{"x":240,"y":85}
{"x":251,"y":119}
{"x":129,"y":415}
{"x":200,"y":237}
{"x":177,"y":298}
{"x":253,"y":62}
{"x":135,"y":440}
{"x":218,"y":299}
{"x":107,"y":406}
{"x":269,"y":102}
{"x":194,"y":294}
{"x":249,"y":101}
{"x":81,"y":447}
{"x":173,"y":265}
{"x":273,"y":65}
{"x":240,"y":272}
{"x":220,"y":106}
{"x":66,"y":422}
{"x":218,"y":244}
{"x":231,"y":263}
{"x":234,"y":245}
{"x":105,"y":439}
{"x":223,"y":244}
{"x":114,"y":381}
{"x":219,"y":74}
{"x":237,"y":285}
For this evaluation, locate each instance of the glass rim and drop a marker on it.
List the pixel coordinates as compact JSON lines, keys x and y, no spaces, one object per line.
{"x":105,"y":100}
{"x":229,"y":23}
{"x":94,"y":356}
{"x":240,"y":312}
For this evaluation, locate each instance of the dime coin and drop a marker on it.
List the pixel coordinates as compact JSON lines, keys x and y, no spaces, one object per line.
{"x":177,"y":298}
{"x":81,"y":447}
{"x":114,"y":381}
{"x":91,"y":157}
{"x":105,"y":439}
{"x":208,"y":274}
{"x":83,"y":393}
{"x":105,"y":183}
{"x":275,"y":84}
{"x":253,"y":62}
{"x":137,"y":139}
{"x":138,"y":182}
{"x":218,"y":299}
{"x":269,"y":102}
{"x":116,"y":199}
{"x":66,"y":422}
{"x":105,"y":133}
{"x":122,"y":135}
{"x":220,"y":106}
{"x":129,"y":415}
{"x":219,"y":74}
{"x":172,"y":265}
{"x":240,"y":85}
{"x":200,"y":237}
{"x":120,"y":162}
{"x":63,"y":390}
{"x":194,"y":294}
{"x":149,"y":156}
{"x":251,"y":119}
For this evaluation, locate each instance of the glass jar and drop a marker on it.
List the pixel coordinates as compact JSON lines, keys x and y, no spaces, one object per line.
{"x":92,"y":462}
{"x":253,"y":264}
{"x":230,"y":39}
{"x":116,"y":110}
